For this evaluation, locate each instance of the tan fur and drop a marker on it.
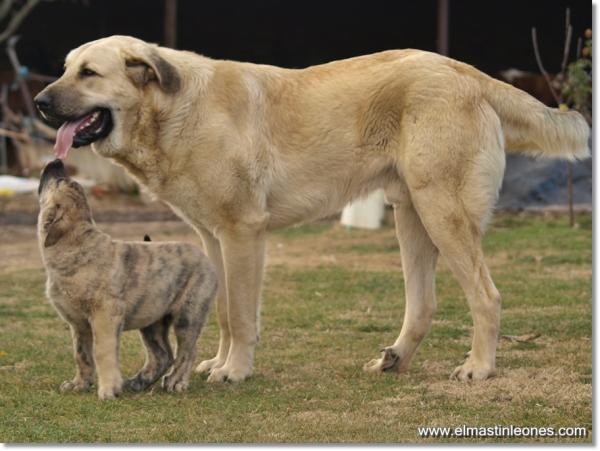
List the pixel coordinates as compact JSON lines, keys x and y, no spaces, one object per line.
{"x":239,"y":149}
{"x":102,"y":286}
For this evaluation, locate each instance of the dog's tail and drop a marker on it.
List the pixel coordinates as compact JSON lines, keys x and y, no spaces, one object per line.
{"x":532,"y":128}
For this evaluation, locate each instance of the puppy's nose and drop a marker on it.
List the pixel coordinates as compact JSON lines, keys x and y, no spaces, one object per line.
{"x":43,"y":101}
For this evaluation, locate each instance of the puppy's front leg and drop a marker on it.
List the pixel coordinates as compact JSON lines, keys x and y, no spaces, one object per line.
{"x":82,"y":350}
{"x":107,"y":331}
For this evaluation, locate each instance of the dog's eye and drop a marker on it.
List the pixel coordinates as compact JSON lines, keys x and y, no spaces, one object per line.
{"x":87,"y":72}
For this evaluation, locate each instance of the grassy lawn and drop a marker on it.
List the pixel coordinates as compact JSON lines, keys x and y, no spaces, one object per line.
{"x":332,"y":298}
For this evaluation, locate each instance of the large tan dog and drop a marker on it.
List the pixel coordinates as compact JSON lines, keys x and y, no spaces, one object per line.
{"x":238,"y":149}
{"x":102,"y":286}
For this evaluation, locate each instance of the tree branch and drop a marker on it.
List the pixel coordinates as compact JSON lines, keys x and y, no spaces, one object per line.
{"x":568,"y":34}
{"x":541,"y":66}
{"x":16,"y":20}
{"x":5,"y":8}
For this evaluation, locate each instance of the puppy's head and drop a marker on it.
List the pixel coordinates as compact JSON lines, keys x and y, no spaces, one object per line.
{"x":104,"y":85}
{"x":63,"y":205}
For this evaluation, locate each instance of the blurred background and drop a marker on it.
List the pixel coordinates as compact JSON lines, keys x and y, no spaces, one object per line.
{"x":493,"y":35}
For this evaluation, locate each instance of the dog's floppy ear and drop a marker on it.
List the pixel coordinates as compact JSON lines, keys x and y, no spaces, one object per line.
{"x":143,"y":63}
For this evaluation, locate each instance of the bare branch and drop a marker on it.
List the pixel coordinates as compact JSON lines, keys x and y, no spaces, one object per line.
{"x":5,"y":8}
{"x":16,"y":20}
{"x":568,"y":34}
{"x":557,"y":98}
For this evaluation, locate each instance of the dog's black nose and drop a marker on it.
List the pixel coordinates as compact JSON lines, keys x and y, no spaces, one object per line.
{"x":43,"y":101}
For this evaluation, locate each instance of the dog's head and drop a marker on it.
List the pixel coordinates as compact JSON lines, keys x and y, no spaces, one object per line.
{"x":103,"y":85}
{"x":63,"y":205}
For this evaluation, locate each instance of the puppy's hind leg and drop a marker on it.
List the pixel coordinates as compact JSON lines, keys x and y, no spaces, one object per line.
{"x":159,"y":356}
{"x":187,"y":324}
{"x":178,"y":379}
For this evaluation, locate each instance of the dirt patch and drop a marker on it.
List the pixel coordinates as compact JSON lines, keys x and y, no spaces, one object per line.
{"x":337,"y":246}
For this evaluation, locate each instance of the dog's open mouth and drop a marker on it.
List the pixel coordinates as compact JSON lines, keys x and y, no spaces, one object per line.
{"x":83,"y":131}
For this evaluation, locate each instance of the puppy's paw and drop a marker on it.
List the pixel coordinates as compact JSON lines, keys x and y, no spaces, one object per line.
{"x":75,"y":386}
{"x":170,"y":385}
{"x":111,"y":388}
{"x":106,"y":393}
{"x":134,"y":383}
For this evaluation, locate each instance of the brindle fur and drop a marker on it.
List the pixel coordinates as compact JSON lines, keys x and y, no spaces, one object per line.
{"x":102,"y":287}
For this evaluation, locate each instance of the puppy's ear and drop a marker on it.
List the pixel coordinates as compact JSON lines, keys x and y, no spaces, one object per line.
{"x":54,"y":231}
{"x":54,"y":234}
{"x":143,"y":64}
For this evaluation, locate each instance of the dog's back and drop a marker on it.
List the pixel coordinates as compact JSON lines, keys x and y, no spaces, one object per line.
{"x":161,"y":277}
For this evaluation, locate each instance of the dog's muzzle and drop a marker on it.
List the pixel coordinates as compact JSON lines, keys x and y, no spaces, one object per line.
{"x":80,"y":128}
{"x":43,"y":101}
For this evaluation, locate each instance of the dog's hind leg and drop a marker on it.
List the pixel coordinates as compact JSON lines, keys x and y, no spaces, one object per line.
{"x":419,"y":258}
{"x":83,"y":345}
{"x":458,"y":238}
{"x":159,"y":356}
{"x":454,"y":196}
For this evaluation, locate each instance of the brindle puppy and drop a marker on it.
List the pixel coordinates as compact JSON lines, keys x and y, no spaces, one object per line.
{"x":102,"y":286}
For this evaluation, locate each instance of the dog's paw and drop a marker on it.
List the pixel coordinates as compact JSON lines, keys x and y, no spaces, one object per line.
{"x":225,"y":374}
{"x":386,"y":362}
{"x":75,"y":386}
{"x":208,"y":366}
{"x":472,"y":371}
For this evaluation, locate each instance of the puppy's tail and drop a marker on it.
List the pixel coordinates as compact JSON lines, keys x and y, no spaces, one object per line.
{"x":532,"y":128}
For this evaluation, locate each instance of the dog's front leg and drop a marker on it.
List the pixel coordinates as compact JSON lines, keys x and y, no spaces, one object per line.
{"x":212,"y":247}
{"x":243,"y":258}
{"x":107,"y":330}
{"x":82,"y":350}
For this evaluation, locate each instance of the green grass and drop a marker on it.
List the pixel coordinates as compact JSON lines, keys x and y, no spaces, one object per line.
{"x":320,"y":323}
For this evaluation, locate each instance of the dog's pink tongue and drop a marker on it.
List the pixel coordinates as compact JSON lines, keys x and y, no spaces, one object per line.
{"x":64,"y":137}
